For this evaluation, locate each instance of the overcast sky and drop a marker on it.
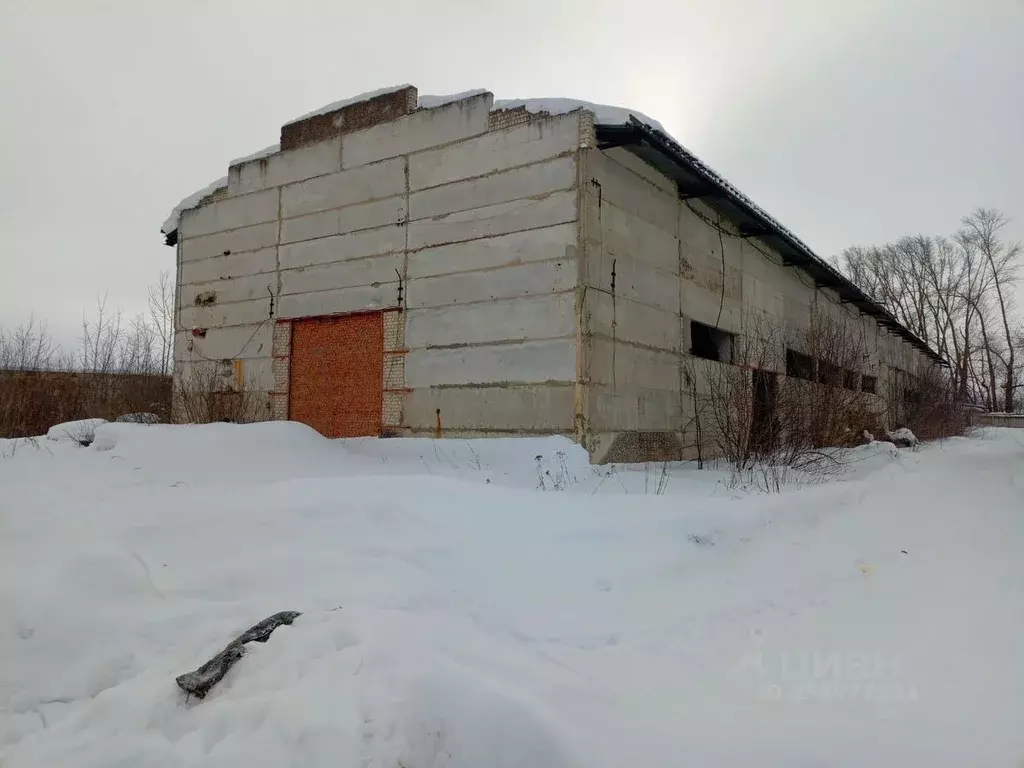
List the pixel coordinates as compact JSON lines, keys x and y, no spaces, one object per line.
{"x":851,"y":122}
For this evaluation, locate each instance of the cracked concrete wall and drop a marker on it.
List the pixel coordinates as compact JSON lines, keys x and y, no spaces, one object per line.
{"x":650,"y":264}
{"x":476,"y":224}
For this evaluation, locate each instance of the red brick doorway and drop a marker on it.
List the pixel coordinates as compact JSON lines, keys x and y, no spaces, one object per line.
{"x":336,"y":373}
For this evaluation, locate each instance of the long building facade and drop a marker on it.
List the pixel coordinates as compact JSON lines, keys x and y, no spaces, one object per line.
{"x":403,"y":265}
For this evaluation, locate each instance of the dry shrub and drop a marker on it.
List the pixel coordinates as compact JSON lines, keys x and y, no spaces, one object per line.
{"x":213,"y":392}
{"x":33,"y":401}
{"x":928,"y":406}
{"x":767,"y":426}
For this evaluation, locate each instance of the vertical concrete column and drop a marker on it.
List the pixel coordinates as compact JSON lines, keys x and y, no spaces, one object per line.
{"x":394,"y":388}
{"x":282,"y":349}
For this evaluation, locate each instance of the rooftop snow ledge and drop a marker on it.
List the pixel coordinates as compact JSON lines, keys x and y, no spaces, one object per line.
{"x":170,"y":226}
{"x":273,"y":149}
{"x":604,"y":114}
{"x":430,"y":101}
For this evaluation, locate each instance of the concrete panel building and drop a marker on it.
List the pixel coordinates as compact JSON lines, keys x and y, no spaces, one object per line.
{"x":403,"y":265}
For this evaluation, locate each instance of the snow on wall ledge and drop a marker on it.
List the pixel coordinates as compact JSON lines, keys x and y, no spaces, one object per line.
{"x":604,"y":114}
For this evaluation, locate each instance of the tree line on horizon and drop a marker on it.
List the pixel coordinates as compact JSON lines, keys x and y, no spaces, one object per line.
{"x":956,"y":292}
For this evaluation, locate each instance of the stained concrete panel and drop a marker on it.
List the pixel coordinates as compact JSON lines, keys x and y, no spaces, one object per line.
{"x":239,"y":313}
{"x":525,"y":182}
{"x":231,"y":289}
{"x":503,"y":283}
{"x":616,"y":232}
{"x":339,"y":301}
{"x":493,"y":220}
{"x":528,"y":362}
{"x":234,"y":241}
{"x":548,"y":243}
{"x":420,"y":130}
{"x":633,"y":279}
{"x":352,"y":218}
{"x":636,"y":409}
{"x":356,"y":245}
{"x":495,"y":151}
{"x":633,"y":322}
{"x":229,"y":213}
{"x":537,"y":317}
{"x":623,"y":367}
{"x":635,"y":194}
{"x":239,"y":342}
{"x":235,"y":265}
{"x":285,"y":167}
{"x":358,"y":185}
{"x":536,"y":407}
{"x":345,"y":274}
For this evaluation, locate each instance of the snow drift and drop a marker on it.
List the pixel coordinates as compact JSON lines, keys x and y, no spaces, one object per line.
{"x":454,"y":614}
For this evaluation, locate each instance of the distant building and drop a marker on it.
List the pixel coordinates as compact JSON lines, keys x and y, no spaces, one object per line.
{"x":403,"y":265}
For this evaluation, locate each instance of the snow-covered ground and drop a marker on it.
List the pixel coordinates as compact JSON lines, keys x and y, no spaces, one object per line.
{"x":455,"y":614}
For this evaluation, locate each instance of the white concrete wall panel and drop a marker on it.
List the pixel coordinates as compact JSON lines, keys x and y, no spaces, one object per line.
{"x":285,"y":167}
{"x":644,"y":410}
{"x":623,"y":367}
{"x":358,"y":185}
{"x":504,"y":283}
{"x":232,"y":289}
{"x":525,"y":182}
{"x":625,"y":189}
{"x":234,"y":241}
{"x":512,"y":408}
{"x":420,"y":130}
{"x":493,"y":220}
{"x":339,"y":301}
{"x":627,"y":159}
{"x":633,"y":322}
{"x":528,"y":362}
{"x":355,"y":245}
{"x":235,"y":265}
{"x":524,"y":144}
{"x":239,"y":342}
{"x":357,"y":272}
{"x":617,"y":232}
{"x":634,"y":280}
{"x":339,"y":221}
{"x":230,"y":213}
{"x":536,"y":317}
{"x":220,"y":315}
{"x":548,"y":243}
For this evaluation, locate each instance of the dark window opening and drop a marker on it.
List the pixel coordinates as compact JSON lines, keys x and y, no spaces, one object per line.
{"x":764,"y":424}
{"x":868,"y":384}
{"x":710,"y":343}
{"x":850,"y":380}
{"x":799,"y":365}
{"x":829,"y":373}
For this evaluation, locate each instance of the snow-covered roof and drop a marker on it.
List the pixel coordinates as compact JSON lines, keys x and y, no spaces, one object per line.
{"x":604,"y":114}
{"x":429,"y":101}
{"x":170,"y":225}
{"x":273,"y":149}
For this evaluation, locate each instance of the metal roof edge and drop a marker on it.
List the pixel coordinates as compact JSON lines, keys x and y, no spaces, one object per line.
{"x":681,"y":156}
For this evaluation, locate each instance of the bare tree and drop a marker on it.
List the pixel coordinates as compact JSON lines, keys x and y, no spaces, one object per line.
{"x":953,"y":293}
{"x":101,"y":335}
{"x":982,"y":231}
{"x":161,"y":319}
{"x":29,"y":347}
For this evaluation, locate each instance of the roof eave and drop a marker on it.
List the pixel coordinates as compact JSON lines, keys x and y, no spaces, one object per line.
{"x":695,"y":181}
